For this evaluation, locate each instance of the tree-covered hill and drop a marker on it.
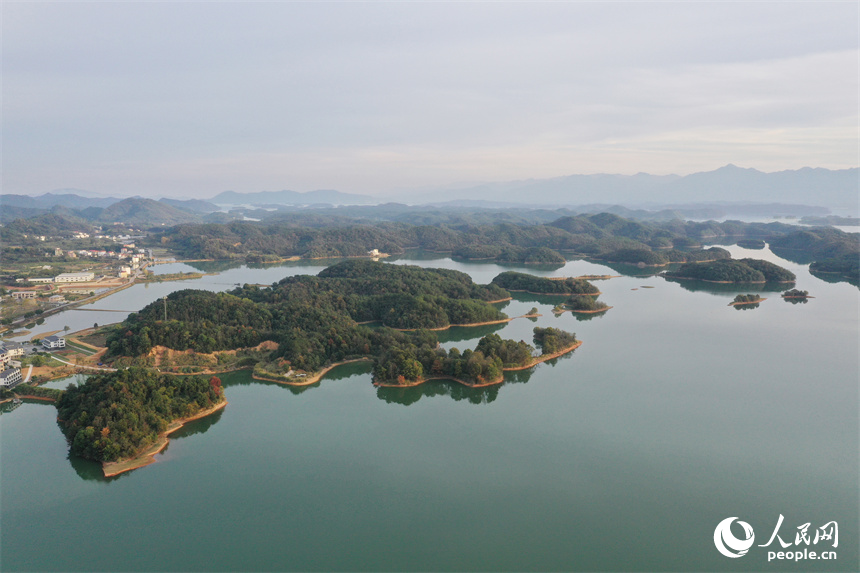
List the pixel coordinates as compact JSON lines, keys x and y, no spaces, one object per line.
{"x":733,"y":271}
{"x":314,"y":319}
{"x":115,"y":415}
{"x":512,"y":280}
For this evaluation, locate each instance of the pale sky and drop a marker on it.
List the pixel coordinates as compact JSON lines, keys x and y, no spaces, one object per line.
{"x":191,"y":99}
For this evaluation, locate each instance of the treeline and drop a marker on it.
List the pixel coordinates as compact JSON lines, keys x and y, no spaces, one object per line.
{"x":734,"y":271}
{"x":199,"y":320}
{"x":115,"y":415}
{"x":512,"y":280}
{"x":746,"y":298}
{"x":584,"y":235}
{"x":314,"y":320}
{"x":664,"y":257}
{"x":408,"y":363}
{"x":585,"y":304}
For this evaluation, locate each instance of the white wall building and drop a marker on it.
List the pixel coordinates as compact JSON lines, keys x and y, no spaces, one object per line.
{"x":75,"y":277}
{"x":10,"y":378}
{"x":54,"y":342}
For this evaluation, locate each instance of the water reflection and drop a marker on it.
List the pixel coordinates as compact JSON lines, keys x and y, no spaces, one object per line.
{"x":836,"y":278}
{"x":588,"y":316}
{"x":89,"y":470}
{"x":456,"y":391}
{"x":796,"y":300}
{"x":746,"y":306}
{"x":199,"y":426}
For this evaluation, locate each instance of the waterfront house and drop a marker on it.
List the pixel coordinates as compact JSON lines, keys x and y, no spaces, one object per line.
{"x":54,"y":342}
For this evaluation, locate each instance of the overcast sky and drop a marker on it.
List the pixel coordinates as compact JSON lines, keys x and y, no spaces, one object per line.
{"x":191,"y":99}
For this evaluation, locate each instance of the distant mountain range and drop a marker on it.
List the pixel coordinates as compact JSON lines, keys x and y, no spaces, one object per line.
{"x":838,"y":189}
{"x":722,"y":188}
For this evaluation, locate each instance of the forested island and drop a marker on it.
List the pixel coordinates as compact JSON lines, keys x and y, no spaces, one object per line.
{"x":733,"y":271}
{"x":584,"y":304}
{"x":521,"y":282}
{"x":296,"y":327}
{"x":118,"y":415}
{"x":408,"y":364}
{"x":509,"y":236}
{"x":795,"y":296}
{"x":354,"y":309}
{"x":743,"y":299}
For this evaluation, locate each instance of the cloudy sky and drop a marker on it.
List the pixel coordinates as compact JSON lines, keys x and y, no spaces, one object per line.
{"x":191,"y":99}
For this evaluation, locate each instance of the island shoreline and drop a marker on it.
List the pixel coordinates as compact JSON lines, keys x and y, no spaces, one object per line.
{"x":147,"y":456}
{"x":535,"y":361}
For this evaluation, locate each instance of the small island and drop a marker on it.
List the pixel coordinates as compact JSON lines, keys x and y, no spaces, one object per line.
{"x":484,"y":366}
{"x":744,"y":299}
{"x":795,"y":296}
{"x":583,"y":305}
{"x":757,"y":244}
{"x":521,"y":282}
{"x":733,"y":271}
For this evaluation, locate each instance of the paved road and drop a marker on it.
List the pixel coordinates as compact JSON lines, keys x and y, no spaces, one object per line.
{"x":27,"y":378}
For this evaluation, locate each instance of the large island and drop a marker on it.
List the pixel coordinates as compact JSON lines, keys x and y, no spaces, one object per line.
{"x":290,"y":333}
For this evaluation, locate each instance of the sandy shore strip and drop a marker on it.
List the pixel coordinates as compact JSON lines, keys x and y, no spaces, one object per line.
{"x":746,"y":302}
{"x":598,"y":293}
{"x":148,"y":456}
{"x":535,"y":361}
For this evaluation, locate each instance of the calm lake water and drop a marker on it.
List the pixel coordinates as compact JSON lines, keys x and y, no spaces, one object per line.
{"x":676,"y":413}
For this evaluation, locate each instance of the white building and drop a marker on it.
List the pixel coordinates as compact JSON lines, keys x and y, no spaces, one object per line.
{"x":19,"y":294}
{"x":10,"y":378}
{"x":75,"y":277}
{"x":57,"y":299}
{"x":13,"y":349}
{"x":54,"y":342}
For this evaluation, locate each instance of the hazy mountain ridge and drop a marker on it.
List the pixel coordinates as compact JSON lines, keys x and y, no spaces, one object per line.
{"x":837,"y":189}
{"x":834,"y":189}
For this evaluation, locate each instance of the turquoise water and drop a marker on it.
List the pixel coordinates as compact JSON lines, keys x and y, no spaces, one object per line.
{"x":677,"y":412}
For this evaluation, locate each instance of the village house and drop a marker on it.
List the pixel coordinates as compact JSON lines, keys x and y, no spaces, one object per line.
{"x":53,"y":341}
{"x":10,"y":378}
{"x":19,"y":294}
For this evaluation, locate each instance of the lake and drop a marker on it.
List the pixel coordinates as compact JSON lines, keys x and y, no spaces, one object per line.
{"x":676,"y":413}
